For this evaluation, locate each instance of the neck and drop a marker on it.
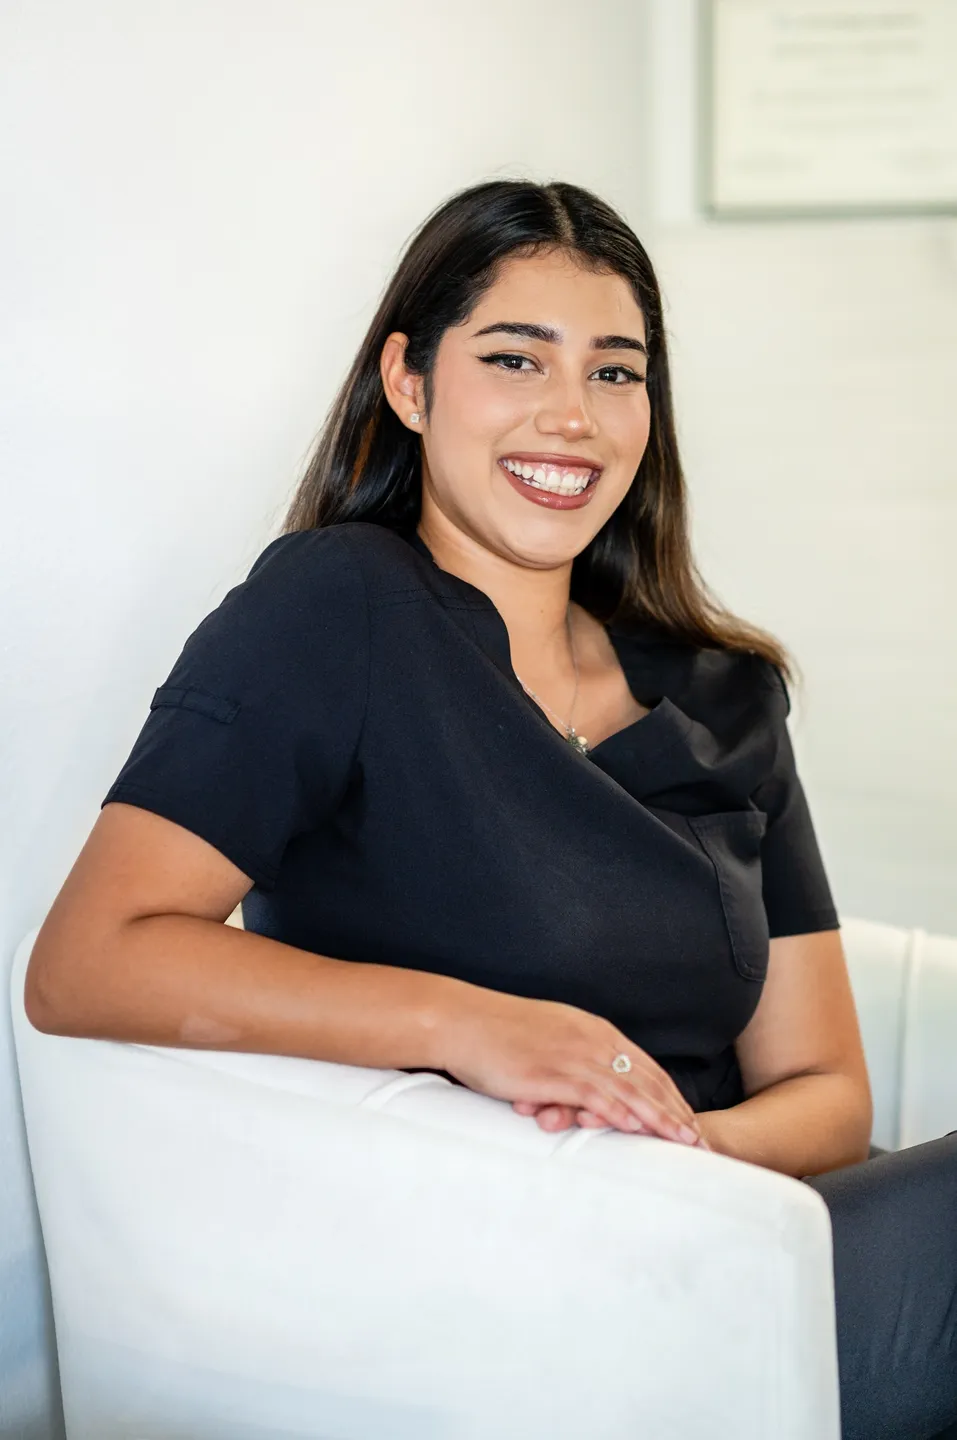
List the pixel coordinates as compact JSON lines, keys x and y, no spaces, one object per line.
{"x":533,"y":601}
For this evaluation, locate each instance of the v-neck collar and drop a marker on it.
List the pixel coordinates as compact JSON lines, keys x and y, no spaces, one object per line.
{"x":663,"y":715}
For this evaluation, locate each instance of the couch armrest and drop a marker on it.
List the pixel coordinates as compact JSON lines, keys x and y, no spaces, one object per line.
{"x":255,"y":1246}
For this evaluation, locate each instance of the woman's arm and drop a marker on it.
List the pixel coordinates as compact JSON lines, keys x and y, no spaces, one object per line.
{"x":800,"y":1126}
{"x":135,"y":948}
{"x":809,"y":1106}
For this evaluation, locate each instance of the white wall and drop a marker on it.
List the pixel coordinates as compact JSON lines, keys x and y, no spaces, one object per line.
{"x":816,"y":369}
{"x":207,"y":197}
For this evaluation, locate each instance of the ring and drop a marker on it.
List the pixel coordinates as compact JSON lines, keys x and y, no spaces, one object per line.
{"x":621,"y":1063}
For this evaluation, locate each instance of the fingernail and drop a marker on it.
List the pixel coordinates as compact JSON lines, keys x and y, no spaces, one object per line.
{"x":687,"y":1133}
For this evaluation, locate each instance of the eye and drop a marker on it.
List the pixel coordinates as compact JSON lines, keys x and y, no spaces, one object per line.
{"x":496,"y":359}
{"x":631,"y":377}
{"x":508,"y":360}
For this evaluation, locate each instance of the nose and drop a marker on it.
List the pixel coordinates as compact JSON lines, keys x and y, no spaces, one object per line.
{"x":565,"y":409}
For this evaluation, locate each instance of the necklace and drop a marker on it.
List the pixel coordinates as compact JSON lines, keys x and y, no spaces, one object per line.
{"x":571,"y":734}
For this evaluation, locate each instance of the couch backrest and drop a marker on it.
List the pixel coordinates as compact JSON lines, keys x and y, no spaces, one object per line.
{"x":905,"y":990}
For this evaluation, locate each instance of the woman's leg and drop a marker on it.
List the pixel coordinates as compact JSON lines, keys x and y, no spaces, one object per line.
{"x":894,"y":1227}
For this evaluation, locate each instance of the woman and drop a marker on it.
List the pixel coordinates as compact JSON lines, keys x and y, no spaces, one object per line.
{"x":474,"y":721}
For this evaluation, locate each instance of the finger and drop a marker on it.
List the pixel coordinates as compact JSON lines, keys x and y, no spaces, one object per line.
{"x":586,"y":1117}
{"x":666,"y":1092}
{"x":561,"y":1117}
{"x":589,"y":1121}
{"x":556,"y":1117}
{"x":623,"y":1107}
{"x":660,"y":1120}
{"x":536,"y":1107}
{"x":650,"y":1082}
{"x":663,"y":1087}
{"x":571,"y":1115}
{"x":653,"y":1101}
{"x":615,"y":1102}
{"x":681,"y":1110}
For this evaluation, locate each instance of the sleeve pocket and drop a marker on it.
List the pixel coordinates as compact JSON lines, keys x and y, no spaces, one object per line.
{"x":732,"y":841}
{"x":216,"y":707}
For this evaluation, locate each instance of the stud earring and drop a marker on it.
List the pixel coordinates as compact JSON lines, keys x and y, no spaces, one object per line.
{"x":414,"y":418}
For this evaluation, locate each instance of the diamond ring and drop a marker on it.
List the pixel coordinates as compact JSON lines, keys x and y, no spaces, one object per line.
{"x":621,"y":1063}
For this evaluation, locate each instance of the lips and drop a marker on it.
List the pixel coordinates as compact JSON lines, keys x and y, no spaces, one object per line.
{"x":540,"y":460}
{"x":558,"y":493}
{"x":565,"y":478}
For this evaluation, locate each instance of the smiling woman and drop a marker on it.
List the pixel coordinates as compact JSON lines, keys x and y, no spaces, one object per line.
{"x":366,"y":743}
{"x":535,"y":310}
{"x":550,"y":369}
{"x":558,"y":475}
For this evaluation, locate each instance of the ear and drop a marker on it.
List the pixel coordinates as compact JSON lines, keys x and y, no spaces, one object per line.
{"x":404,"y":390}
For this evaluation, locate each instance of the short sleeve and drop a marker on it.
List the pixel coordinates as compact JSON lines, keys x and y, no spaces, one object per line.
{"x":251,"y":738}
{"x":797,"y":893}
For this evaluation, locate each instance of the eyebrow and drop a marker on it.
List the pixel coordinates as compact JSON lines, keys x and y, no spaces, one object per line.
{"x":551,"y":336}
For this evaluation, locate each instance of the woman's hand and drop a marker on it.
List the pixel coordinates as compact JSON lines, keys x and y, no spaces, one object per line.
{"x":556,"y":1059}
{"x":561,"y":1117}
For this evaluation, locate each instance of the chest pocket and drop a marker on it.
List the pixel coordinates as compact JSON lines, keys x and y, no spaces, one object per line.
{"x":732,"y":841}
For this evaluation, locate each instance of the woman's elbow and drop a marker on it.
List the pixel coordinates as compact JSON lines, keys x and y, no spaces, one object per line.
{"x":56,"y":998}
{"x":43,"y":998}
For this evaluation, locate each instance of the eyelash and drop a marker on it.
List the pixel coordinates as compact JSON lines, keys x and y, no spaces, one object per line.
{"x":510,"y":355}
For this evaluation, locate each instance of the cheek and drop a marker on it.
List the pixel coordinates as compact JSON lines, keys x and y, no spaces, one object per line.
{"x":473,"y":402}
{"x":631,"y":426}
{"x":496,"y":408}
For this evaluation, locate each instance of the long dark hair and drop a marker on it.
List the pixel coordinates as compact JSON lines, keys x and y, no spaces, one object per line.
{"x":366,"y":465}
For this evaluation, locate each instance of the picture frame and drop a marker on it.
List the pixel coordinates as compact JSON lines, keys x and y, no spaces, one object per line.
{"x":812,"y":108}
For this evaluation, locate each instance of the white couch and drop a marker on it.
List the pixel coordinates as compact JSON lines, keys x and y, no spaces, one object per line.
{"x":254,"y":1248}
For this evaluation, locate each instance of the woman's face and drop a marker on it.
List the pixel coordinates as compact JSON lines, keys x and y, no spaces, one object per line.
{"x":549,"y":368}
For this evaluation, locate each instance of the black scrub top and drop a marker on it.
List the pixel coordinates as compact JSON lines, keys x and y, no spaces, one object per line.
{"x":346,"y":727}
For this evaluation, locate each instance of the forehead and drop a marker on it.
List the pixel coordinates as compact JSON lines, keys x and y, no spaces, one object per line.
{"x":554,"y":289}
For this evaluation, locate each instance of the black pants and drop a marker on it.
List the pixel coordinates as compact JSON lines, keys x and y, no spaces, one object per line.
{"x":894,"y":1228}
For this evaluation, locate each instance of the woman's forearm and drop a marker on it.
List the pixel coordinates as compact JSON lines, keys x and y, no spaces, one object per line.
{"x":800,"y":1126}
{"x":183,"y":980}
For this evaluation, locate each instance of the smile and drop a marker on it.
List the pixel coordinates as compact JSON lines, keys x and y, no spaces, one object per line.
{"x":556,"y":479}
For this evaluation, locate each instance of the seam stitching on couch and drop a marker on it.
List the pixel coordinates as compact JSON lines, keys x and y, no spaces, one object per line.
{"x":390,"y":1088}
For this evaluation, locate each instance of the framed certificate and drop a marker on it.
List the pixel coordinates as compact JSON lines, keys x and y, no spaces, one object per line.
{"x":828,"y":107}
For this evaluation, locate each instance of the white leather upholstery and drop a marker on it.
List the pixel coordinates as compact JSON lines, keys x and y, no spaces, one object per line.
{"x":243,"y":1247}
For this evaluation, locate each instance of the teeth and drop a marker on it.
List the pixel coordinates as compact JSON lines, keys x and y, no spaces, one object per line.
{"x":558,"y":482}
